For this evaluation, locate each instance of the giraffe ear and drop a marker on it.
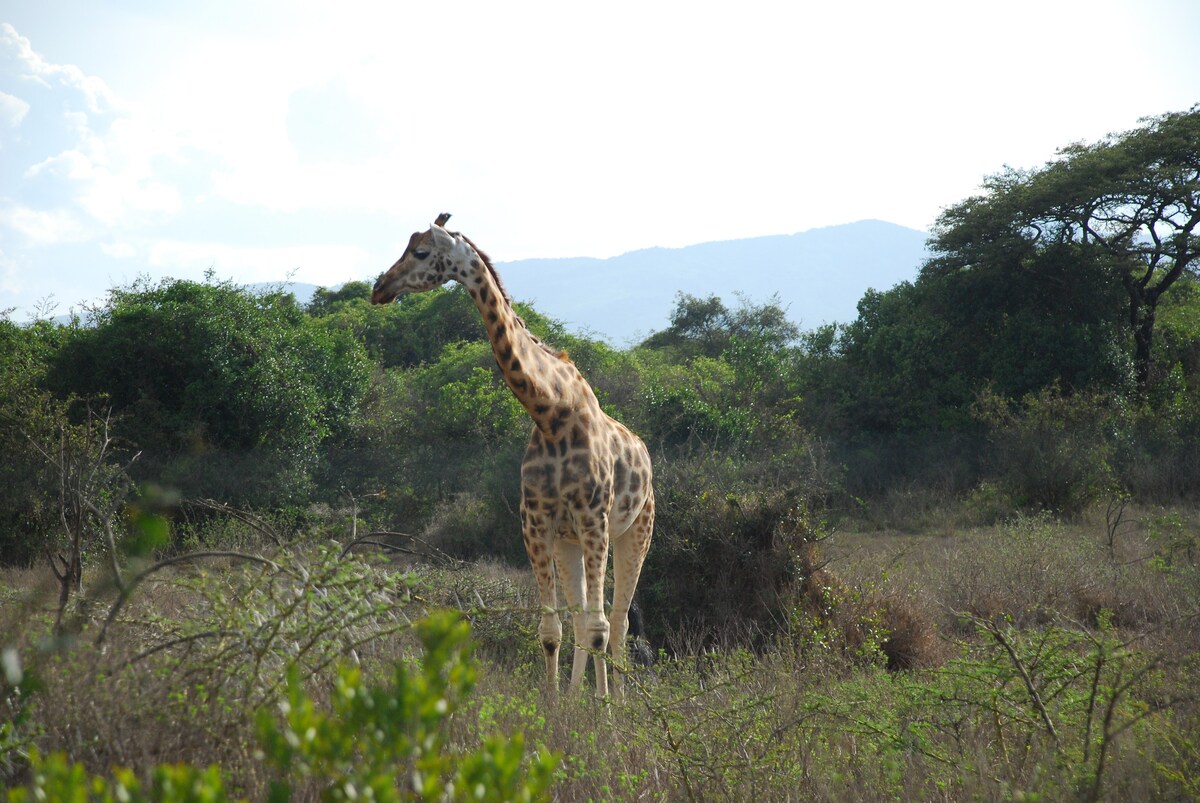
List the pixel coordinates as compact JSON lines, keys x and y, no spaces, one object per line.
{"x":441,"y":237}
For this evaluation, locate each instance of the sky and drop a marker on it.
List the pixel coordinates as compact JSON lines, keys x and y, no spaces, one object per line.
{"x":264,"y":140}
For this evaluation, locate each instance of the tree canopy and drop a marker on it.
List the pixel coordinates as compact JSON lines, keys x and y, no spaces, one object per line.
{"x":705,"y":326}
{"x":1126,"y":208}
{"x":227,"y":393}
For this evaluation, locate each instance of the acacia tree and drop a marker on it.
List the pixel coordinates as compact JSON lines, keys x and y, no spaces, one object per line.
{"x":1133,"y":198}
{"x":705,"y":326}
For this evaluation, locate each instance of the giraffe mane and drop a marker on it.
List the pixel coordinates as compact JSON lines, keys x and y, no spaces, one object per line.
{"x":487,"y":263}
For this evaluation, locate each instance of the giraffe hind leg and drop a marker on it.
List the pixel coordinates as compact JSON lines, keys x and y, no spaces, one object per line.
{"x":629,"y":554}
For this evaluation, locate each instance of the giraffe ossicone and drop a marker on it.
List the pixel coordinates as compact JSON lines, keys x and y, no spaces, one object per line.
{"x":586,"y":479}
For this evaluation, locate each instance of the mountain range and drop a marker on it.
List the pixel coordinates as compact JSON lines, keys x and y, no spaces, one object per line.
{"x":818,"y":276}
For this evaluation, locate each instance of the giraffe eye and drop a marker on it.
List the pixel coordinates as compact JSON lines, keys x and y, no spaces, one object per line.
{"x":421,"y":254}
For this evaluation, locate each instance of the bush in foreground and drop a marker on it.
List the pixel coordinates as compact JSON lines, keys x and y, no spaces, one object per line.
{"x":377,"y":742}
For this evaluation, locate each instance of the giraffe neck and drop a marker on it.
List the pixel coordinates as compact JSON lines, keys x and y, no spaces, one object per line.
{"x":544,"y":381}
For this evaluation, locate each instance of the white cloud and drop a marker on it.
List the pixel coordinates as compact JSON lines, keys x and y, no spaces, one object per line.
{"x":119,"y":249}
{"x":97,"y":93}
{"x":107,"y":178}
{"x":44,"y":227}
{"x":570,"y":130}
{"x":12,"y":110}
{"x":70,"y":164}
{"x":10,"y":283}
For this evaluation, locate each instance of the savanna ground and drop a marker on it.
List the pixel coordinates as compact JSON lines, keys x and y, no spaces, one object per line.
{"x":937,"y":660}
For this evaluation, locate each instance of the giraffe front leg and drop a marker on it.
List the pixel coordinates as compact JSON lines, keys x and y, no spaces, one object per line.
{"x":568,"y":557}
{"x":550,"y":637}
{"x":550,"y":627}
{"x":594,"y":543}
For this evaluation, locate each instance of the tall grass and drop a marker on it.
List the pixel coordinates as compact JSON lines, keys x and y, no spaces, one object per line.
{"x":1040,"y":662}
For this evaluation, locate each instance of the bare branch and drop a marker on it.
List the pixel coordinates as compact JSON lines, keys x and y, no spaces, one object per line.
{"x":246,"y":518}
{"x":1030,"y":687}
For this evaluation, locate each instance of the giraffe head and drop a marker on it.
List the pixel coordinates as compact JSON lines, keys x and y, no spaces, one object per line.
{"x":431,"y":259}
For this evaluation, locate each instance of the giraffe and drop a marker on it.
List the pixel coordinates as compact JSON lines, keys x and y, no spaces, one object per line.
{"x":586,"y":479}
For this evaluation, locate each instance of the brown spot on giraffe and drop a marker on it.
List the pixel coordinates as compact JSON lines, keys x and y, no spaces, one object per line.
{"x":579,"y":438}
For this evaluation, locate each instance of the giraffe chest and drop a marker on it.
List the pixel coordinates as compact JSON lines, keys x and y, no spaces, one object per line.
{"x":567,"y":486}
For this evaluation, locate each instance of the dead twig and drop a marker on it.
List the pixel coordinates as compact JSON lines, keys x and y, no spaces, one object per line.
{"x":249,"y":519}
{"x":430,"y":551}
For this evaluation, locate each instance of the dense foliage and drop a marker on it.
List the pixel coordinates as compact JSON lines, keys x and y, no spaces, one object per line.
{"x":26,"y":486}
{"x":226,"y":394}
{"x":1014,"y":363}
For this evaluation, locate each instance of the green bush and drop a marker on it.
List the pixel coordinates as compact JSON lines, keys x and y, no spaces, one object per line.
{"x":377,"y":742}
{"x":1050,"y":452}
{"x":56,"y":778}
{"x":1157,"y":450}
{"x":723,"y":567}
{"x":389,"y":743}
{"x":227,"y":394}
{"x":402,"y":335}
{"x":29,"y":512}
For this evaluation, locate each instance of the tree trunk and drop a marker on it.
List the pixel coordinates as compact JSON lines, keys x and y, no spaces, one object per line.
{"x":1143,"y":306}
{"x":1143,"y":339}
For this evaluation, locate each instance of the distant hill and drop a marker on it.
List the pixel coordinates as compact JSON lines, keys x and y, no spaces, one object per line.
{"x":819,"y":276}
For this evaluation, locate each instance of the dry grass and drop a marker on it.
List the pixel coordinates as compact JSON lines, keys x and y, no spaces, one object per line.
{"x":1031,"y":569}
{"x":814,"y":715}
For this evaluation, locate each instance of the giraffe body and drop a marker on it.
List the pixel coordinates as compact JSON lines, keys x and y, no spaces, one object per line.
{"x":586,"y":479}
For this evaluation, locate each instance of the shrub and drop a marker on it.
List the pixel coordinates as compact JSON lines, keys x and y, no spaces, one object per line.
{"x":1050,"y":452}
{"x":227,"y":394}
{"x":389,"y":742}
{"x":1158,"y":448}
{"x":723,"y":564}
{"x":29,"y":513}
{"x":55,"y":777}
{"x":380,"y":742}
